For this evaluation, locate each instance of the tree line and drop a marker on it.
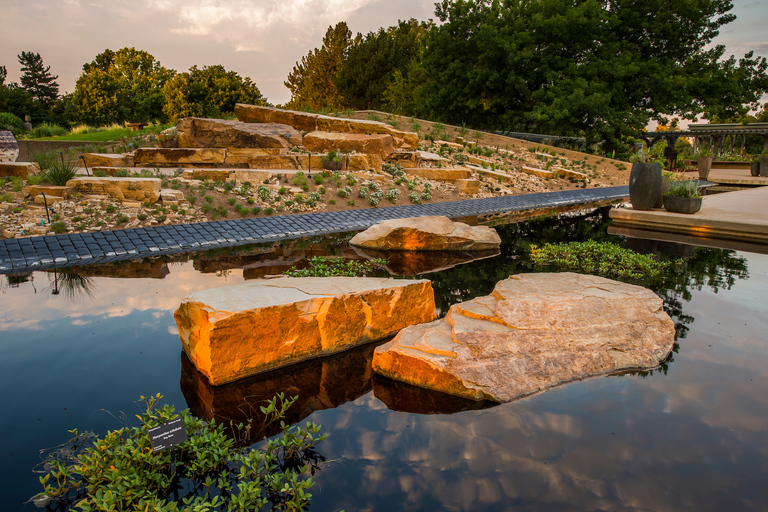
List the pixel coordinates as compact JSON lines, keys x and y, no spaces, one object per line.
{"x":599,"y":69}
{"x":124,"y":85}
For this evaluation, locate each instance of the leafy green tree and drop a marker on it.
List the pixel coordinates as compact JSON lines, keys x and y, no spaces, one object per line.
{"x":3,"y":75}
{"x":588,"y":67}
{"x":311,"y":82}
{"x":37,"y":80}
{"x":126,"y":85}
{"x":208,"y":92}
{"x":377,"y":60}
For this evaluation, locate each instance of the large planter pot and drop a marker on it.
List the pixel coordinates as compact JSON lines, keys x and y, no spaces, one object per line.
{"x":755,"y":169}
{"x":644,"y":185}
{"x":763,"y":165}
{"x":705,"y":165}
{"x":682,"y":204}
{"x":664,"y":189}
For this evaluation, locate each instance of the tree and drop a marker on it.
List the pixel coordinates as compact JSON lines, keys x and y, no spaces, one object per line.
{"x":126,"y":85}
{"x":312,"y":81}
{"x":596,"y":68}
{"x":3,"y":75}
{"x":37,"y":80}
{"x":208,"y":92}
{"x":377,"y":60}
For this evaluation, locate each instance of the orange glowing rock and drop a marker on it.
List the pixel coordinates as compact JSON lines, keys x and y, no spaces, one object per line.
{"x":237,"y":331}
{"x":436,"y":233}
{"x":535,"y":331}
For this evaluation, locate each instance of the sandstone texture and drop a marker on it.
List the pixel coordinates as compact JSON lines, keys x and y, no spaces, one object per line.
{"x":234,"y":332}
{"x":136,"y":189}
{"x":179,"y":156}
{"x":468,"y":186}
{"x":108,"y":160}
{"x":306,"y":122}
{"x":535,"y":331}
{"x":17,"y":169}
{"x":435,"y":233}
{"x":48,"y":190}
{"x":195,"y":132}
{"x":374,"y":144}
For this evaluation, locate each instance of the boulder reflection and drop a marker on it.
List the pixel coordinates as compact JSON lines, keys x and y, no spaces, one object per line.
{"x":411,"y":263}
{"x":320,"y":384}
{"x":402,"y":397}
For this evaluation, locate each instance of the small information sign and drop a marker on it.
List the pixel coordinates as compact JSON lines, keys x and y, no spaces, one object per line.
{"x":167,"y":435}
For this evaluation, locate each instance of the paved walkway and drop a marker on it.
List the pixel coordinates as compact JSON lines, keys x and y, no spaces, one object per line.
{"x":739,"y":216}
{"x":42,"y":252}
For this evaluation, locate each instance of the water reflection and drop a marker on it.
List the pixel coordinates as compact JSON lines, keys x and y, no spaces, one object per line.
{"x":320,"y":384}
{"x":411,"y":263}
{"x":398,"y":396}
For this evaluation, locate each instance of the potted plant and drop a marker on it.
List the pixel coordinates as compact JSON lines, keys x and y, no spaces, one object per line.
{"x":683,"y":197}
{"x":704,"y":160}
{"x":332,"y":161}
{"x":644,"y":181}
{"x":760,"y":165}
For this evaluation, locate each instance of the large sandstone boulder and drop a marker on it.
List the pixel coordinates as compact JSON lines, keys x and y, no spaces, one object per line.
{"x":306,"y":122}
{"x":375,"y":144}
{"x":535,"y":331}
{"x":136,"y":189}
{"x":233,"y":332}
{"x":17,"y":169}
{"x":436,"y":233}
{"x":195,"y":132}
{"x":108,"y":160}
{"x":165,"y":157}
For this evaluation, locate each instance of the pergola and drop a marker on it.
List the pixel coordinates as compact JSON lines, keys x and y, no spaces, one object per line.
{"x":711,"y":135}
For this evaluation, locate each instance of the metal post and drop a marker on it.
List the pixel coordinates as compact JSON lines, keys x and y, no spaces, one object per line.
{"x":86,"y":165}
{"x":46,"y":207}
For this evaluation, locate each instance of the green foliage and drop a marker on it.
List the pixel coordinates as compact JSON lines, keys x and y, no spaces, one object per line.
{"x":122,"y":472}
{"x":311,"y":82}
{"x":598,"y":258}
{"x":126,"y":85}
{"x":344,"y":192}
{"x":37,"y":80}
{"x":438,"y":131}
{"x":687,"y":188}
{"x":58,"y":227}
{"x":327,"y":266}
{"x":11,"y":122}
{"x":208,"y":92}
{"x":62,"y":169}
{"x":372,"y":63}
{"x":110,"y":208}
{"x":600,"y":69}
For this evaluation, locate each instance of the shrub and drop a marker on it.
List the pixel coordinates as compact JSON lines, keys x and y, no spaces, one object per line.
{"x":255,"y":210}
{"x":232,"y":200}
{"x":62,"y":170}
{"x":208,"y":199}
{"x":12,"y":122}
{"x":110,"y":208}
{"x":206,"y":208}
{"x":58,"y":227}
{"x":318,"y":179}
{"x":44,"y":159}
{"x":121,"y":173}
{"x":598,"y":258}
{"x":392,"y":195}
{"x":48,"y":130}
{"x":362,"y":193}
{"x":438,"y":131}
{"x":122,"y":472}
{"x":414,"y":198}
{"x":351,"y":180}
{"x":263,"y":192}
{"x":268,"y":211}
{"x":344,"y":192}
{"x":191,"y":199}
{"x":375,"y":197}
{"x":142,"y":216}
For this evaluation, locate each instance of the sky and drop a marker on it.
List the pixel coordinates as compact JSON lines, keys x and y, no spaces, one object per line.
{"x":261,"y":39}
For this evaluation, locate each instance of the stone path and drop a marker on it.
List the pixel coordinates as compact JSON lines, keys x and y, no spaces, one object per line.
{"x":43,"y":252}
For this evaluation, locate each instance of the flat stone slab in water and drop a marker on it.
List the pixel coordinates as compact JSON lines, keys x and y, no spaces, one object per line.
{"x":233,"y":332}
{"x":535,"y":331}
{"x":433,"y":233}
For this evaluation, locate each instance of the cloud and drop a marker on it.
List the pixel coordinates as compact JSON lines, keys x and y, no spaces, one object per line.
{"x":243,"y":23}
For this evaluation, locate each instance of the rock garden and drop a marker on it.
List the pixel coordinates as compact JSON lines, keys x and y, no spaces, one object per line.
{"x":277,"y":162}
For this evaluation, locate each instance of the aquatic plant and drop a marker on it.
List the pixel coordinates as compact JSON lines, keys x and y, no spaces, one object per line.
{"x":598,"y":258}
{"x":328,"y":266}
{"x":121,"y":471}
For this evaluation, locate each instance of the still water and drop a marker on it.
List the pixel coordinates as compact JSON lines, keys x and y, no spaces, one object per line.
{"x":77,"y":349}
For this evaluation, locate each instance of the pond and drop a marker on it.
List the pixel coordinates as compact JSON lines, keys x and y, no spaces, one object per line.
{"x":79,"y":347}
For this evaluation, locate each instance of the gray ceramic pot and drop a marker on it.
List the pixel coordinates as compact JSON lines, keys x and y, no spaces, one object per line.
{"x":682,"y":204}
{"x":644,"y":185}
{"x":705,"y":165}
